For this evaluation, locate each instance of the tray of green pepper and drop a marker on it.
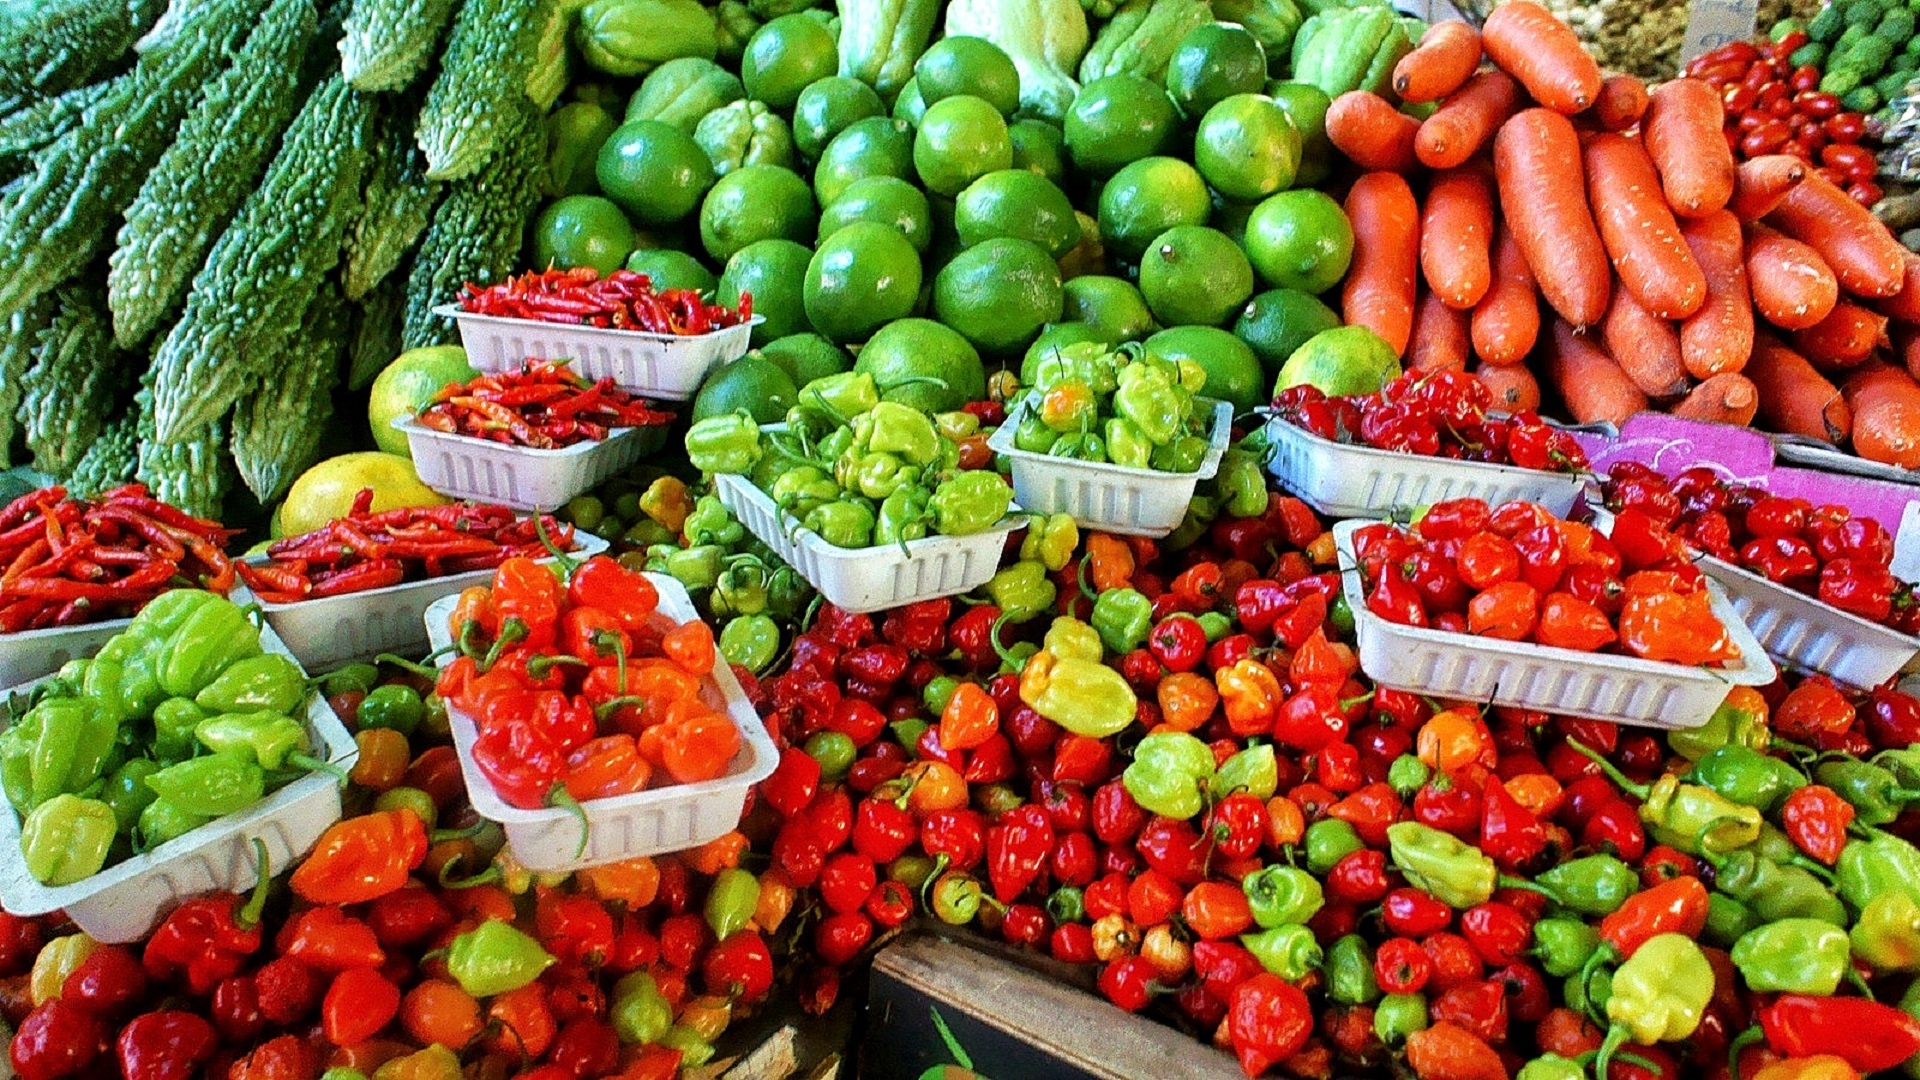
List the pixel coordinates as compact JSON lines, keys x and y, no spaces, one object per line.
{"x":163,"y":768}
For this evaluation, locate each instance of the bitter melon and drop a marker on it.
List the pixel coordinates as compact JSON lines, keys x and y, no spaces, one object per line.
{"x":266,"y":267}
{"x":19,"y":337}
{"x":52,"y":46}
{"x":389,"y":42}
{"x":398,"y":204}
{"x":40,"y":122}
{"x":277,"y":431}
{"x":193,"y":475}
{"x":201,"y":179}
{"x":112,"y":459}
{"x":376,"y":332}
{"x":483,"y":78}
{"x":76,"y":375}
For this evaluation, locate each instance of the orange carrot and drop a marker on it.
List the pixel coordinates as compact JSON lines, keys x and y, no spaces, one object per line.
{"x":1863,"y":253}
{"x":1466,"y":120}
{"x":1905,"y":304}
{"x":1843,"y":339}
{"x":1513,"y":386}
{"x":1506,"y":321}
{"x":1793,"y":287}
{"x":1726,"y":398}
{"x":1386,"y":257}
{"x":1638,"y":229}
{"x":1719,"y":337}
{"x":1886,"y":415}
{"x":1646,"y":346}
{"x":1906,"y":345}
{"x":1760,"y":183}
{"x":1456,"y":237}
{"x":1589,"y":382}
{"x":1532,"y":45}
{"x":1543,"y":194}
{"x":1367,"y":128}
{"x":1439,"y":336}
{"x":1446,"y":57}
{"x":1682,"y":132}
{"x":1794,"y":398}
{"x":1623,"y":101}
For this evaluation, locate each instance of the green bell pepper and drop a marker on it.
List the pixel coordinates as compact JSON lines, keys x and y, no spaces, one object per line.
{"x":1122,"y":618}
{"x":266,"y":683}
{"x":1127,"y":445}
{"x":724,"y":444}
{"x":639,"y":1012}
{"x":1349,"y":969}
{"x":1287,"y":951}
{"x":903,"y":516}
{"x":751,"y":641}
{"x":214,"y":785}
{"x":1169,"y":774}
{"x":66,"y":839}
{"x":1563,"y":946}
{"x":1594,"y":886}
{"x":270,"y":740}
{"x":494,"y":958}
{"x":969,"y":503}
{"x":1282,"y":895}
{"x":1021,"y":591}
{"x":1796,"y":956}
{"x":1887,"y":934}
{"x":60,"y":747}
{"x":845,"y":524}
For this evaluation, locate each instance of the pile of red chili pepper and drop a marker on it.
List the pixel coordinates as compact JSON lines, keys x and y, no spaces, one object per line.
{"x":71,"y":561}
{"x":369,"y":550}
{"x":545,"y":405}
{"x":1446,"y":414}
{"x":623,"y":300}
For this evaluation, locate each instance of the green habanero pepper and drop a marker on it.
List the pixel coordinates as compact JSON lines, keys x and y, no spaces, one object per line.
{"x":787,"y":593}
{"x":1551,"y":1067}
{"x":127,"y":792}
{"x":1067,"y":904}
{"x":724,"y":444}
{"x":1079,"y":446}
{"x":1122,"y":617}
{"x":640,"y":1013}
{"x":1032,"y":435}
{"x":269,"y":682}
{"x":938,"y":691}
{"x":741,"y":589}
{"x":1201,"y":512}
{"x":1050,"y":540}
{"x":1021,"y":591}
{"x":1215,"y":625}
{"x":1282,"y":895}
{"x":800,"y":489}
{"x":1070,"y":639}
{"x":217,"y":636}
{"x":1875,"y":793}
{"x":843,"y":395}
{"x":875,"y":475}
{"x":1690,"y":817}
{"x":1254,"y":771}
{"x":1773,"y":890}
{"x":1658,"y":995}
{"x":1084,"y":696}
{"x":352,"y":679}
{"x":694,"y":1050}
{"x":270,"y":740}
{"x":1563,"y":946}
{"x":1398,"y":1016}
{"x":957,"y":898}
{"x":1454,"y":872}
{"x":1797,"y":956}
{"x":844,"y":524}
{"x":1727,"y":919}
{"x":162,"y":821}
{"x":1349,"y":968}
{"x":730,"y":901}
{"x":1242,"y":484}
{"x":214,"y":785}
{"x":903,"y":431}
{"x":66,"y":839}
{"x":1287,"y":951}
{"x":1169,"y":774}
{"x":903,"y":516}
{"x":495,"y":957}
{"x":396,"y":706}
{"x":957,"y":425}
{"x":1407,"y":775}
{"x":1741,"y":720}
{"x":1127,"y":445}
{"x":1182,"y":455}
{"x":164,"y":614}
{"x":751,"y":641}
{"x":1594,"y":886}
{"x":1147,"y":397}
{"x":1327,"y":841}
{"x":1887,"y":934}
{"x":712,"y":523}
{"x":1746,"y":776}
{"x":969,"y":503}
{"x":173,"y":724}
{"x":698,"y":568}
{"x":1881,"y":862}
{"x":60,"y":747}
{"x":102,"y":681}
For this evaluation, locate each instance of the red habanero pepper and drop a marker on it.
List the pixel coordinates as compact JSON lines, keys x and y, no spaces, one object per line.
{"x":327,"y":938}
{"x":1675,"y":906}
{"x":1858,"y":588}
{"x":595,"y":636}
{"x":527,"y":596}
{"x":1815,"y":818}
{"x":1870,"y":1036}
{"x":573,"y":928}
{"x":362,"y":858}
{"x":1268,"y":1021}
{"x":209,"y":938}
{"x":1018,"y":849}
{"x":169,"y":1044}
{"x":627,"y":595}
{"x":605,"y":767}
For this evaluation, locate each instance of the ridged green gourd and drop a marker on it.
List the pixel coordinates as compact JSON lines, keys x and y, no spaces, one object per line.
{"x":51,"y":46}
{"x":398,"y":204}
{"x":200,"y":180}
{"x":37,"y":124}
{"x":377,"y":325}
{"x":388,"y":43}
{"x":277,"y":430}
{"x":475,"y":235}
{"x":265,"y":269}
{"x":68,"y":394}
{"x":111,"y":461}
{"x":19,"y":339}
{"x":194,"y":475}
{"x":62,"y":215}
{"x":483,"y":77}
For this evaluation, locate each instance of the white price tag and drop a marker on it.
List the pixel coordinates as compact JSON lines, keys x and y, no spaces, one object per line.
{"x":1713,"y":23}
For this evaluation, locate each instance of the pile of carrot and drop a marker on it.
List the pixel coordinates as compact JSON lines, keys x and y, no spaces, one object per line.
{"x":1569,"y":228}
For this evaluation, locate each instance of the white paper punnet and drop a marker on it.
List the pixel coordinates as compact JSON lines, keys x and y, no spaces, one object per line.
{"x":670,"y":367}
{"x":462,"y":467}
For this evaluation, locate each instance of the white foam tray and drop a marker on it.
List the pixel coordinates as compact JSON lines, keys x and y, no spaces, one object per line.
{"x":1347,"y":480}
{"x":873,"y":578}
{"x":1602,"y":686}
{"x":668,"y":366}
{"x":326,"y":632}
{"x":462,"y":467}
{"x":1106,"y":497}
{"x":123,"y":902}
{"x":650,"y":822}
{"x":30,"y":654}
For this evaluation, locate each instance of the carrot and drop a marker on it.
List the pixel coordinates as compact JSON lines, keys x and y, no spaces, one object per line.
{"x":1439,"y":336}
{"x":1536,"y":159}
{"x":1886,"y":410}
{"x":1622,"y":102}
{"x":1466,"y":120}
{"x":1513,"y":386}
{"x":1843,"y":339}
{"x":1456,"y":237}
{"x":1682,"y":133}
{"x":1386,"y":257}
{"x":1794,"y":398}
{"x":1367,"y":128}
{"x":1446,"y":57}
{"x":1726,"y":398}
{"x":1863,"y":253}
{"x":1590,"y":383}
{"x":1793,"y":287}
{"x":1760,"y":183}
{"x":1506,"y":321}
{"x":1719,"y":337}
{"x":1646,"y":346}
{"x":1905,"y":304}
{"x":1638,"y":229}
{"x":1530,"y":44}
{"x":1906,"y":345}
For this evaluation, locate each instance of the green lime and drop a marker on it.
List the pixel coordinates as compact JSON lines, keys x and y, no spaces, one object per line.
{"x":1306,"y":105}
{"x":406,"y":385}
{"x":1192,"y":275}
{"x":968,"y":65}
{"x":807,"y":357}
{"x":921,"y":349}
{"x":960,"y":140}
{"x":1119,"y":119}
{"x":575,"y":133}
{"x":1213,"y":63}
{"x":999,"y":293}
{"x":653,"y":171}
{"x":1300,"y":240}
{"x":876,"y":146}
{"x":862,"y":277}
{"x":670,"y":268}
{"x":744,"y":133}
{"x":775,"y":273}
{"x":1341,"y":360}
{"x":1278,"y":321}
{"x":752,"y":382}
{"x":756,"y":202}
{"x":1146,"y":199}
{"x":828,"y":107}
{"x":1247,"y":148}
{"x":1111,"y":305}
{"x":1017,"y":203}
{"x":886,"y":199}
{"x":1233,"y":372}
{"x":1058,"y":336}
{"x":1039,"y":147}
{"x":784,"y":56}
{"x":582,"y":230}
{"x":909,"y":105}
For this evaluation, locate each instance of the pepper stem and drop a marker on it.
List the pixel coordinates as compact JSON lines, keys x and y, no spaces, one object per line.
{"x":613,"y":705}
{"x":1613,"y":772}
{"x":1737,"y":1044}
{"x":248,"y":916}
{"x":940,"y":864}
{"x":568,"y":564}
{"x":558,"y":796}
{"x":1506,"y":882}
{"x":1616,"y":1038}
{"x":993,"y":638}
{"x":1855,"y":980}
{"x":407,"y":665}
{"x":512,"y":632}
{"x":539,"y":666}
{"x":488,"y":876}
{"x":315,"y":765}
{"x":1604,"y":954}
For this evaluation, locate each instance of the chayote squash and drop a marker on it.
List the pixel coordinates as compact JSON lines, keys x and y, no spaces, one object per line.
{"x":680,"y":92}
{"x":1344,"y":49}
{"x":744,"y":133}
{"x":738,"y":24}
{"x":881,"y":40}
{"x":632,"y":37}
{"x":574,"y":134}
{"x":1141,"y":36}
{"x":1273,"y":23}
{"x":1045,"y":39}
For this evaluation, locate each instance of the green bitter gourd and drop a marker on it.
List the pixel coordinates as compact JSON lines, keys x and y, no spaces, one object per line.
{"x":68,"y":394}
{"x":41,"y":121}
{"x":398,"y":204}
{"x":52,"y":46}
{"x":483,"y":76}
{"x":19,"y":338}
{"x":193,"y":475}
{"x":112,"y":459}
{"x":376,"y":332}
{"x":277,"y":431}
{"x":388,"y":43}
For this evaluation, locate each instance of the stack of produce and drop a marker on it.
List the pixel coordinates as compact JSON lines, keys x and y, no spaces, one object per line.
{"x":1131,"y":408}
{"x":1440,"y":414}
{"x":1815,"y":124}
{"x":623,"y":300}
{"x":544,"y":406}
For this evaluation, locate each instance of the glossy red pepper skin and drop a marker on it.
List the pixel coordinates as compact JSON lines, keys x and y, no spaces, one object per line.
{"x":1871,"y":1036}
{"x":201,"y":942}
{"x":58,"y":1039}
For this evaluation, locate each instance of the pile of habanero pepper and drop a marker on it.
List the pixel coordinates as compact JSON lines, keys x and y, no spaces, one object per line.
{"x":70,"y":561}
{"x":623,"y":300}
{"x":1125,"y":406}
{"x":545,"y":406}
{"x":376,"y":550}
